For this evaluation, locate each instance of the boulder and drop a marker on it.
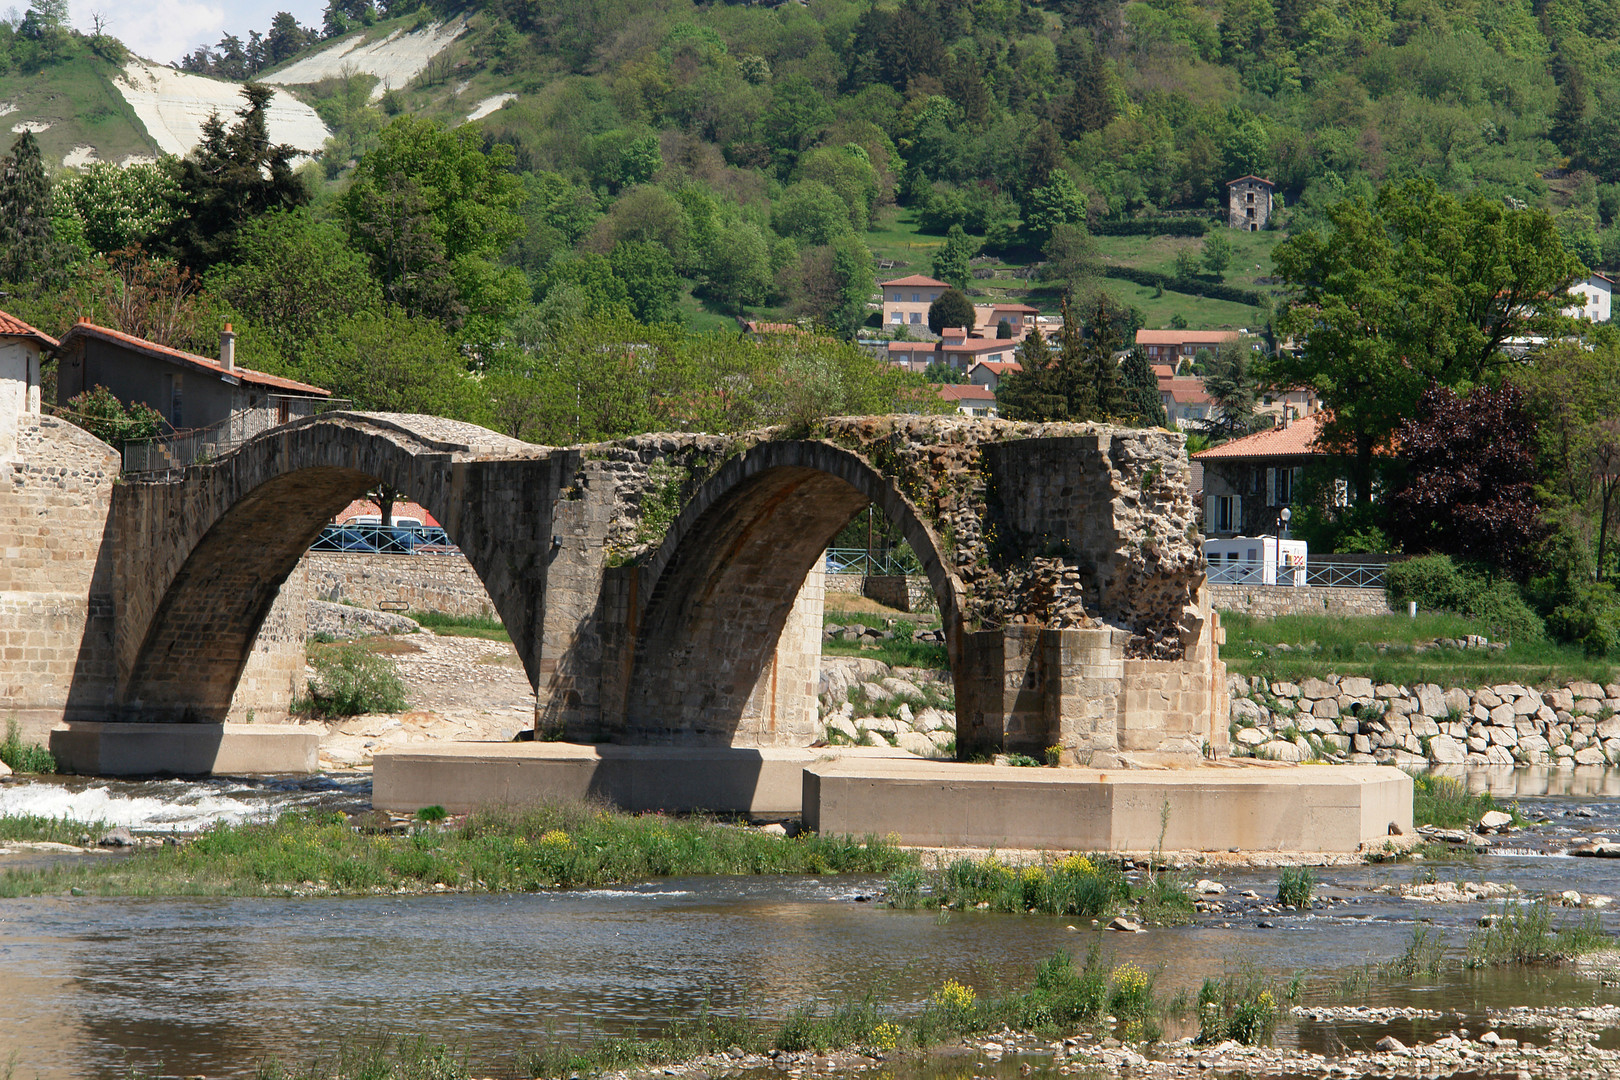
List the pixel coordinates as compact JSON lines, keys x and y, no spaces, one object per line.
{"x":931,"y":719}
{"x":1504,"y":736}
{"x":885,"y":725}
{"x":1244,"y":709}
{"x":1206,"y":887}
{"x":844,"y":727}
{"x":1316,"y":690}
{"x":1285,"y":689}
{"x":1589,"y":755}
{"x":1586,"y":690}
{"x":1456,"y":701}
{"x":1389,"y":1044}
{"x":1328,"y":708}
{"x":1527,"y":705}
{"x":1486,"y":697}
{"x":1503,"y":714}
{"x":902,"y":688}
{"x":1560,"y":699}
{"x":1609,"y":729}
{"x":119,"y":837}
{"x":1125,"y":925}
{"x":1444,"y":750}
{"x":1495,"y":821}
{"x":1356,"y":687}
{"x":1431,"y":702}
{"x":1251,"y":736}
{"x":1280,"y":750}
{"x":915,"y":742}
{"x":1587,"y":707}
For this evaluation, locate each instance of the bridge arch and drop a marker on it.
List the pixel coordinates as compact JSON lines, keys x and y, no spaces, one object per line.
{"x":714,"y":597}
{"x":230,"y":532}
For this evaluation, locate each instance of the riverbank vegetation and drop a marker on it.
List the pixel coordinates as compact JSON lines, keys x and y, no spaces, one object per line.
{"x":1061,"y":999}
{"x":476,"y":626}
{"x":1396,"y":649}
{"x":546,"y":847}
{"x":24,"y":757}
{"x":1087,"y":886}
{"x":1446,"y":803}
{"x":350,"y":679}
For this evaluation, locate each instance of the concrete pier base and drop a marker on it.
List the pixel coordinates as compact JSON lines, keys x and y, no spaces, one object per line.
{"x":118,"y":749}
{"x":767,"y":781}
{"x":1210,"y":807}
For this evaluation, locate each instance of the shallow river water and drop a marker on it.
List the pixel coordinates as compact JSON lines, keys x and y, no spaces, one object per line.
{"x":182,"y":987}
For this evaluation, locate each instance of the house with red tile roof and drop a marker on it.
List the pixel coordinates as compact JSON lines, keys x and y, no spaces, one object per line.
{"x":989,"y":373}
{"x":1248,"y":481}
{"x":1176,"y":347}
{"x":915,"y":355}
{"x":906,"y":300}
{"x":189,"y":391}
{"x":1020,"y":318}
{"x":970,"y":400}
{"x":20,"y":346}
{"x":1186,"y":403}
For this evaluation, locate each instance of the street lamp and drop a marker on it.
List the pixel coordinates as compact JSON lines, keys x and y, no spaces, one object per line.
{"x":1286,"y":516}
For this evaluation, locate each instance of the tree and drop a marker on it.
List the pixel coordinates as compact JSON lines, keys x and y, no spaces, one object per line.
{"x":951,"y":309}
{"x":1409,"y":289}
{"x":852,"y":269}
{"x":1232,"y":392}
{"x":108,"y":207}
{"x":1057,"y":202}
{"x":386,"y":361}
{"x":651,"y":285}
{"x":234,"y":175}
{"x":1071,"y":257}
{"x":811,"y":213}
{"x":152,"y":298}
{"x":1471,"y":489}
{"x":26,"y":236}
{"x":1217,"y":252}
{"x":1079,"y":384}
{"x":952,"y":262}
{"x":430,"y":204}
{"x":1142,"y":398}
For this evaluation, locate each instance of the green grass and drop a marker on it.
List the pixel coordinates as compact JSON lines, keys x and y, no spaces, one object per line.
{"x":1241,"y":1007}
{"x":899,"y":651}
{"x":475,"y":626}
{"x":351,"y":679}
{"x":1444,"y":802}
{"x":1087,"y":886}
{"x":553,"y":846}
{"x":1294,"y":887}
{"x":1525,"y":934}
{"x":24,"y":757}
{"x":1349,"y":646}
{"x":1062,"y":998}
{"x":1249,"y":250}
{"x":76,"y":97}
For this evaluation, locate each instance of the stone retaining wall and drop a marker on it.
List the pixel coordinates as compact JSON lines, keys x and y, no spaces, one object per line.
{"x":444,"y":583}
{"x":1352,"y":719}
{"x":1269,"y":601}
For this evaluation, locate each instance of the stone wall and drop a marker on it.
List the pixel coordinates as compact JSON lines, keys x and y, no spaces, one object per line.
{"x":446,"y":583}
{"x":56,"y":603}
{"x":1351,"y":718}
{"x":1269,"y":601}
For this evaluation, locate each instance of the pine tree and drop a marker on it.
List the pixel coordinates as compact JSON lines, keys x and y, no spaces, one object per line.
{"x":26,"y":239}
{"x":1142,"y":398}
{"x":1108,"y":401}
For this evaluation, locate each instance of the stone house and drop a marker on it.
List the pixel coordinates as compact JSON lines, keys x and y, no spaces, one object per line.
{"x":1248,"y":201}
{"x":906,"y":300}
{"x":20,"y":346}
{"x":191,"y":392}
{"x":1249,"y":481}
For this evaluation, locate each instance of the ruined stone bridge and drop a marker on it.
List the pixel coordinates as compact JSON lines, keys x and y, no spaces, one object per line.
{"x":646,"y":583}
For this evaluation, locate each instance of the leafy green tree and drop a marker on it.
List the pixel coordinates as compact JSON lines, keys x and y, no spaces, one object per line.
{"x":26,"y":235}
{"x":1057,"y":202}
{"x":811,"y":213}
{"x":831,"y":284}
{"x":387,"y":361}
{"x":952,"y":308}
{"x":295,"y":279}
{"x":99,"y":412}
{"x":234,"y":175}
{"x":1412,"y":288}
{"x":952,"y":262}
{"x":799,"y":113}
{"x":737,"y":265}
{"x":620,"y":159}
{"x":108,"y":207}
{"x":1142,"y":401}
{"x":847,"y":171}
{"x":434,"y":211}
{"x":1071,"y":257}
{"x":1217,"y":252}
{"x":652,"y":288}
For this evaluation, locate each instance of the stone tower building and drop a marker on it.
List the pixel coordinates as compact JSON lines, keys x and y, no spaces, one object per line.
{"x":1248,"y":200}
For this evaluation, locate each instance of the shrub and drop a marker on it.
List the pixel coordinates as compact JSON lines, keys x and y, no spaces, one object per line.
{"x":1590,"y":619}
{"x":1294,"y":887}
{"x":1241,"y":1009}
{"x":350,"y":680}
{"x":1439,"y":584}
{"x":25,"y":757}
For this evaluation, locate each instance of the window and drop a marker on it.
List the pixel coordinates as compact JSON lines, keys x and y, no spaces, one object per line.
{"x":933,"y":296}
{"x":1225,"y":514}
{"x":897,"y":298}
{"x":916,"y":298}
{"x":1251,"y":197}
{"x":915,"y":317}
{"x":897,"y":317}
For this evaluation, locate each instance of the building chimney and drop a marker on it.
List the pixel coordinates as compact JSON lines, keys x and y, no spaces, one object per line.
{"x":227,"y":348}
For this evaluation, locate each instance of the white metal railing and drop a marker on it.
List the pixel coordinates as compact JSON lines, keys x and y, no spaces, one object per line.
{"x":1320,"y":572}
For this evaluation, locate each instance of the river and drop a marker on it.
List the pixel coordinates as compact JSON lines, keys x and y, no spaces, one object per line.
{"x":186,"y":987}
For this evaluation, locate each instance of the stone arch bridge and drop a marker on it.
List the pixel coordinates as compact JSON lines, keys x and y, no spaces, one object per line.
{"x":645,"y":583}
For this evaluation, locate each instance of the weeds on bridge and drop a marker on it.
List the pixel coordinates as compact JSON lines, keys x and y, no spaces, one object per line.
{"x":556,"y":846}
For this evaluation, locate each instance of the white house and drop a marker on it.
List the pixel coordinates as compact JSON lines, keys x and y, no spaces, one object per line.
{"x":1596,"y":295}
{"x":19,"y":378}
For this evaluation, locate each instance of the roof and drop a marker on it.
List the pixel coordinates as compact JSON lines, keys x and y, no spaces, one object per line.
{"x":11,"y":326}
{"x":1298,"y":439}
{"x":402,"y":508}
{"x":1182,"y":337}
{"x":86,"y":329}
{"x":916,"y":279}
{"x":1187,"y":389}
{"x":999,"y":367}
{"x":1251,"y":176}
{"x":981,"y":345}
{"x":759,"y":326}
{"x":1163,"y":371}
{"x":913,"y":346}
{"x":966,"y":392}
{"x":1010,"y":307}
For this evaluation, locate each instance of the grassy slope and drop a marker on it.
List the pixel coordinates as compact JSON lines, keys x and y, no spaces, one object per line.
{"x":1350,"y":647}
{"x":78,"y":100}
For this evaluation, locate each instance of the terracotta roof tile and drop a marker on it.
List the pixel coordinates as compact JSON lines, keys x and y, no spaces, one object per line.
{"x":85,"y":329}
{"x":917,"y":280}
{"x":1251,"y":176}
{"x":999,"y":367}
{"x":966,"y":392}
{"x":11,"y":326}
{"x":1187,"y":388}
{"x":1182,"y":337}
{"x":1296,"y":440}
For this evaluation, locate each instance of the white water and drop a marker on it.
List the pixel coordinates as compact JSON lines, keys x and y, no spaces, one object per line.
{"x":184,"y":811}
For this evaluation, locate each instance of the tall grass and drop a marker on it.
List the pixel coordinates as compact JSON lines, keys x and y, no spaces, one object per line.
{"x":1295,"y":885}
{"x":1525,"y":934}
{"x":556,"y":846}
{"x":1321,"y":645}
{"x":25,"y":757}
{"x":1444,"y":802}
{"x":1087,"y":886}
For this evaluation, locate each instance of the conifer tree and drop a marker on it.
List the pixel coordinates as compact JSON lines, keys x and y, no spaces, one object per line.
{"x":26,"y":239}
{"x":1142,"y":400}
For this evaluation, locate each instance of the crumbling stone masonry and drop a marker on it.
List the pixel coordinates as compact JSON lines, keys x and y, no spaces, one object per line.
{"x":649,"y":583}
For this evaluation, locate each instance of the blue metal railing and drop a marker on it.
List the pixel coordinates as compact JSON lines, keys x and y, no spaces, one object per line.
{"x":386,"y":539}
{"x":1321,"y":572}
{"x":876,"y":563}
